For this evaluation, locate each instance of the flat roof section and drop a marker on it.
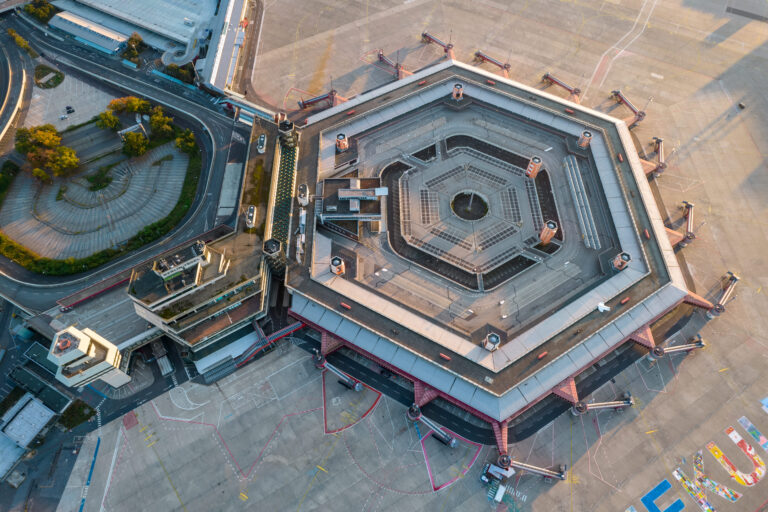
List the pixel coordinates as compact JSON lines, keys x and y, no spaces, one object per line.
{"x":174,"y":19}
{"x":24,"y":426}
{"x":90,"y":31}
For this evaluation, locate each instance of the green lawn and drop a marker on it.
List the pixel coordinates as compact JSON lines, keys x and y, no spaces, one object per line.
{"x":100,"y":179}
{"x":41,"y":71}
{"x":78,"y":412}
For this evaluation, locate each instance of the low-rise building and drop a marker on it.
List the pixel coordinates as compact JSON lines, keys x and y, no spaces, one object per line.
{"x":83,"y":357}
{"x":19,"y":426}
{"x":200,"y":292}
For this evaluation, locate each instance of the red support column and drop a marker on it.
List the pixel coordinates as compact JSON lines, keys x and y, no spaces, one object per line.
{"x":500,"y":431}
{"x":698,"y":301}
{"x":423,"y":394}
{"x":329,"y":343}
{"x":644,"y":337}
{"x":567,"y":390}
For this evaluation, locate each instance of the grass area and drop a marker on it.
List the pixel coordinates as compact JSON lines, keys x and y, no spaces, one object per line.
{"x":258,"y":192}
{"x":49,"y":266}
{"x":166,"y":158}
{"x":61,"y":192}
{"x":10,"y":400}
{"x":78,"y":412}
{"x":155,"y":141}
{"x":41,"y":71}
{"x":76,"y":126}
{"x":100,"y":179}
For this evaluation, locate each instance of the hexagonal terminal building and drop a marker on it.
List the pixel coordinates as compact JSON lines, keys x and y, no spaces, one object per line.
{"x":477,"y":238}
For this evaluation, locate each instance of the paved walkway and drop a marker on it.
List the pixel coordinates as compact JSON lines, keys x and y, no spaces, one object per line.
{"x":81,"y":222}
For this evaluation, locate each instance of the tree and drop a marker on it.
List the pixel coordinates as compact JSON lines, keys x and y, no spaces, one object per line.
{"x":186,"y":142}
{"x":28,"y":139}
{"x":108,"y":120}
{"x":135,"y":42}
{"x":41,"y":175}
{"x":42,"y":147}
{"x":40,"y":9}
{"x":63,"y":161}
{"x":129,"y":104}
{"x":135,"y":144}
{"x":161,"y":125}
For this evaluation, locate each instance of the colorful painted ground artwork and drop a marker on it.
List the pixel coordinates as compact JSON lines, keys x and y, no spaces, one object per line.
{"x":721,"y":490}
{"x":694,"y":491}
{"x":746,"y":479}
{"x":756,"y":435}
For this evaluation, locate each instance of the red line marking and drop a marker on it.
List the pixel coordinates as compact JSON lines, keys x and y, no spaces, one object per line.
{"x":368,"y":475}
{"x":325,"y":422}
{"x":244,"y":475}
{"x":429,"y":468}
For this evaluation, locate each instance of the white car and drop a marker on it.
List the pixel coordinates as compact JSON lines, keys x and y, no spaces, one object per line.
{"x":249,"y":218}
{"x":261,"y":144}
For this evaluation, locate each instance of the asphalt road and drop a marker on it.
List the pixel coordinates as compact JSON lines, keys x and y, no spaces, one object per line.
{"x":11,"y":80}
{"x":193,"y":108}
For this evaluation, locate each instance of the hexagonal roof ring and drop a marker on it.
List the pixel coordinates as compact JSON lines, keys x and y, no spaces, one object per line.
{"x":428,"y":282}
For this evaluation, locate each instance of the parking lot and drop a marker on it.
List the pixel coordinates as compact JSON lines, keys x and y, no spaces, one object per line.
{"x":49,"y":105}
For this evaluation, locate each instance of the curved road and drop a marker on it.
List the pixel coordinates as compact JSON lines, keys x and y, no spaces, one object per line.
{"x":194,"y":108}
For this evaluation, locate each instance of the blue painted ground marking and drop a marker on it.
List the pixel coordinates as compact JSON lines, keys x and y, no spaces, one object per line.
{"x":90,"y":474}
{"x":418,"y":432}
{"x":96,"y":391}
{"x":649,"y":500}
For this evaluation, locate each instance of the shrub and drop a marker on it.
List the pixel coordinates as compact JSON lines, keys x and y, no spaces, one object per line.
{"x":135,"y":144}
{"x":108,"y":120}
{"x":186,"y":142}
{"x":41,"y":175}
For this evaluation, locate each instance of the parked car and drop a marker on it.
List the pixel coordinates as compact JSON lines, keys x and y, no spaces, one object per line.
{"x":261,"y":144}
{"x":250,"y":216}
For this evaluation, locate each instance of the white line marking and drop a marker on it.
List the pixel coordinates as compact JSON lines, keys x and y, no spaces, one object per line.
{"x":112,"y":466}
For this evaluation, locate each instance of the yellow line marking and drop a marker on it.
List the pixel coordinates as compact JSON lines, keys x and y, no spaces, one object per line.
{"x":651,"y":431}
{"x":150,"y":445}
{"x":311,"y":483}
{"x":143,"y":428}
{"x":758,"y":290}
{"x":721,"y":370}
{"x":243,"y":496}
{"x":149,"y":436}
{"x":321,"y":468}
{"x":169,"y":481}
